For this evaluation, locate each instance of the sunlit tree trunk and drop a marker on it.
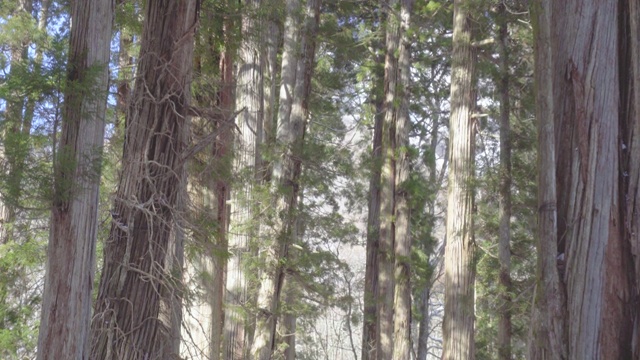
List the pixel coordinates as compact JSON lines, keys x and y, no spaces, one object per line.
{"x":458,"y":326}
{"x":384,"y":304}
{"x":402,"y":216}
{"x":587,"y":78}
{"x":504,"y":242}
{"x":66,"y":308}
{"x":286,"y":176}
{"x":134,"y":317}
{"x":247,"y":160}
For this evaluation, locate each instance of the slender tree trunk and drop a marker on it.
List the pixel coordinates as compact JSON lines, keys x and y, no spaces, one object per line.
{"x":402,"y":215}
{"x":423,"y":330}
{"x":504,"y":243}
{"x":588,"y":48}
{"x":133,"y":317}
{"x":286,"y":177}
{"x":66,"y":307}
{"x":222,"y":187}
{"x":369,"y":331}
{"x":458,"y":326}
{"x":247,"y":160}
{"x":384,"y":307}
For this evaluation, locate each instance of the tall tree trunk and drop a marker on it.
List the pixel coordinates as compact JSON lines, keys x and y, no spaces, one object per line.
{"x":458,"y":326}
{"x":66,"y":307}
{"x":384,"y":307}
{"x":402,"y":216}
{"x":222,"y":157}
{"x":630,"y":76}
{"x":590,"y":253}
{"x":504,"y":246}
{"x":369,"y":330}
{"x":243,"y":229}
{"x":286,"y":178}
{"x":133,"y":318}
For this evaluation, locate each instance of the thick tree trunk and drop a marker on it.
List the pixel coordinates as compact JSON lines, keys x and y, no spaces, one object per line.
{"x":133,"y":317}
{"x":458,"y":326}
{"x":630,"y":77}
{"x":66,"y":307}
{"x":548,"y":340}
{"x":243,"y":228}
{"x":504,"y":241}
{"x":286,"y":177}
{"x":594,"y":103}
{"x":402,"y":216}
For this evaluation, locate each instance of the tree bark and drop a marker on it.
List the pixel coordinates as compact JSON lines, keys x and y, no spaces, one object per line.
{"x":133,"y":316}
{"x":589,"y":255}
{"x":369,"y":331}
{"x":243,"y":230}
{"x":285,"y":189}
{"x":384,"y":307}
{"x":402,"y":213}
{"x":222,"y":157}
{"x":458,"y":326}
{"x":504,"y":241}
{"x":66,"y":307}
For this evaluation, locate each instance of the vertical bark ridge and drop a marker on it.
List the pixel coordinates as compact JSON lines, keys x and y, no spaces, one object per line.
{"x":247,"y":160}
{"x":402,"y":237}
{"x":132,"y":319}
{"x":458,"y":326}
{"x":66,"y":309}
{"x":504,"y":247}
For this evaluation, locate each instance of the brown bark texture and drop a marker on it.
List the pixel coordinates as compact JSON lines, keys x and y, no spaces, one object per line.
{"x":133,"y":312}
{"x":66,"y":308}
{"x":458,"y":326}
{"x":369,"y":329}
{"x":589,"y":91}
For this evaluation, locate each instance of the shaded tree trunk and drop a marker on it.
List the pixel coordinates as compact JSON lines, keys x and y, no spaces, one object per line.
{"x":458,"y":326}
{"x":133,"y":317}
{"x":285,"y":189}
{"x":504,"y":241}
{"x":222,"y":157}
{"x":369,"y":330}
{"x":590,"y":252}
{"x":66,"y":307}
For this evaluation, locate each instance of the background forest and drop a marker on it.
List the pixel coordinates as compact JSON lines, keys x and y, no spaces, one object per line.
{"x":307,"y":179}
